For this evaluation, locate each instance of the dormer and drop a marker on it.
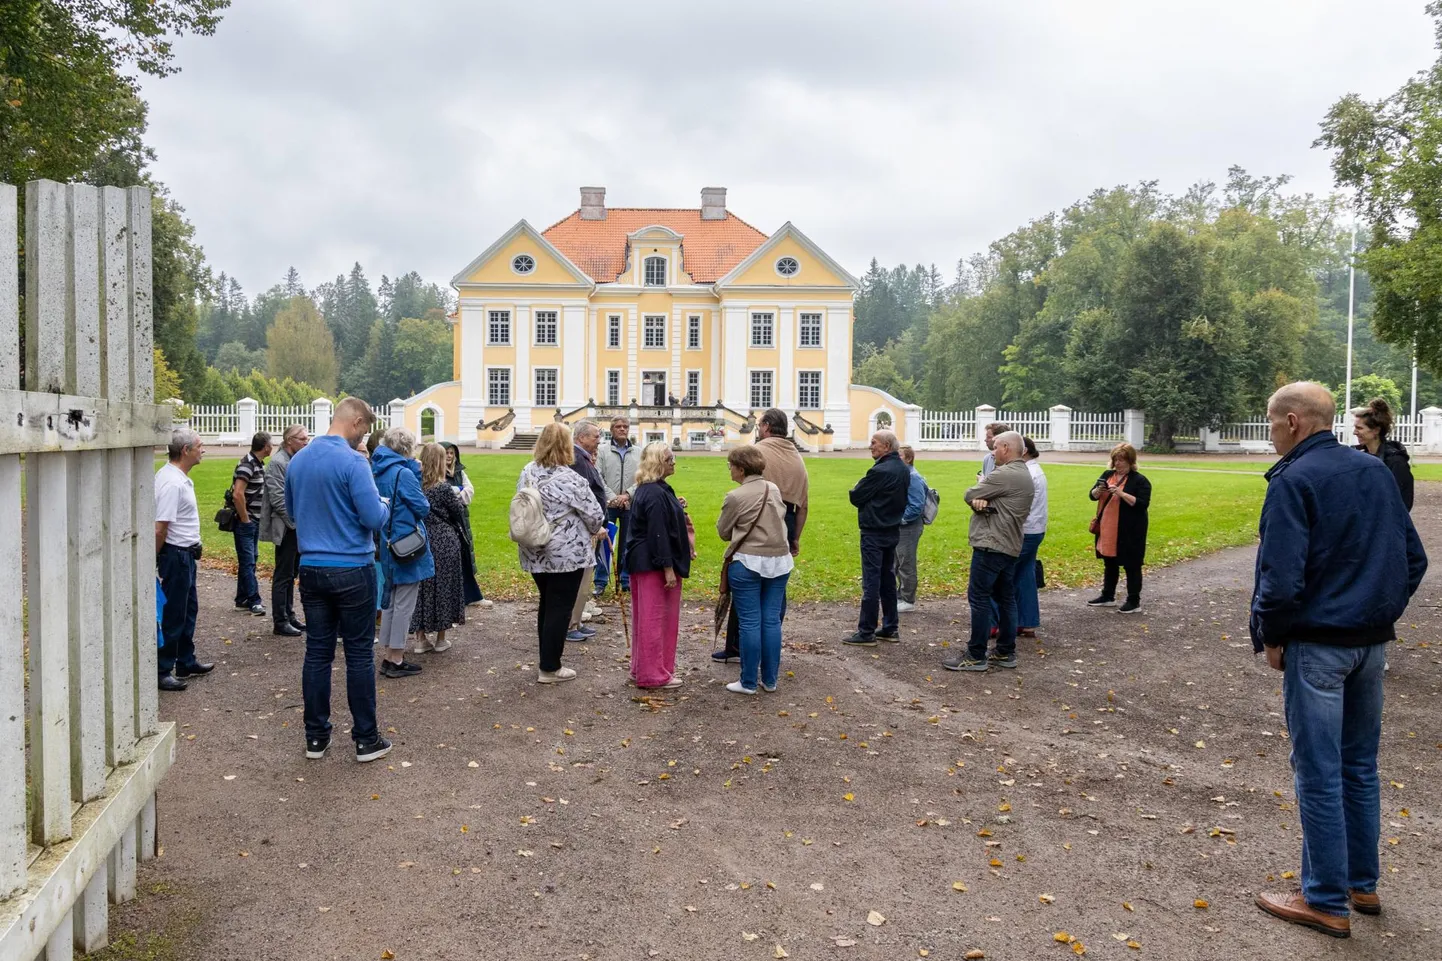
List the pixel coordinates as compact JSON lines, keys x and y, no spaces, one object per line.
{"x":654,"y":258}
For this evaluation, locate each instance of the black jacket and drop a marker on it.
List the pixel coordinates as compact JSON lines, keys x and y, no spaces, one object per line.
{"x":880,"y":496}
{"x":656,"y":531}
{"x":586,"y":467}
{"x":1132,"y":519}
{"x":1394,"y":455}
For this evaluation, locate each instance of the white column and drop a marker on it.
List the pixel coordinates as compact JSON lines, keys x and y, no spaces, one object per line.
{"x":633,"y":378}
{"x":734,"y":393}
{"x":320,"y":414}
{"x":573,"y":357}
{"x":1431,"y":429}
{"x":1061,"y":427}
{"x":674,"y":384}
{"x":1134,"y":427}
{"x":398,"y":416}
{"x":838,"y":367}
{"x":786,"y":340}
{"x":985,"y":414}
{"x":911,"y":418}
{"x":521,"y":390}
{"x":246,"y":410}
{"x":716,"y":371}
{"x":472,"y":408}
{"x":589,"y":385}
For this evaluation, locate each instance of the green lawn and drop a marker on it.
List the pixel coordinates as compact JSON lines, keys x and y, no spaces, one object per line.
{"x":1192,"y":513}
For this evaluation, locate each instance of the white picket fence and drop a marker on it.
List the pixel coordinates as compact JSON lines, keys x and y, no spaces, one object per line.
{"x":235,"y":424}
{"x":1421,"y":433}
{"x":212,"y":423}
{"x":81,"y":748}
{"x":1100,"y":430}
{"x":1059,"y":428}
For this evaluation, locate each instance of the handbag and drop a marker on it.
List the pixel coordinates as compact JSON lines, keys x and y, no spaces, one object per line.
{"x":1040,"y":575}
{"x":225,"y":517}
{"x":409,"y":546}
{"x":723,"y":601}
{"x":1095,"y":526}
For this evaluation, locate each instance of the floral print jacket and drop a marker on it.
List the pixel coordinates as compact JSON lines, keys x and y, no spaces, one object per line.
{"x":574,"y":515}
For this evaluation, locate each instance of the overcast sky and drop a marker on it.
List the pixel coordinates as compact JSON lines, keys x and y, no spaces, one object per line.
{"x":409,"y":136}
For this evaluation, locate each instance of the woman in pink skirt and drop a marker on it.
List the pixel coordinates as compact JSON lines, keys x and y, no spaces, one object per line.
{"x":658,"y":556}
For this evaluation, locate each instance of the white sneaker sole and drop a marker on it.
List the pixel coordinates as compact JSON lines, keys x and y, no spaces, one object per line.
{"x":374,"y":755}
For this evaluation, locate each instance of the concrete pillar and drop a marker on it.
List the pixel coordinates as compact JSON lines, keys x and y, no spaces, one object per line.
{"x":1061,"y":427}
{"x":320,"y":414}
{"x":1431,"y":429}
{"x":910,"y":432}
{"x":985,"y":414}
{"x":397,"y":416}
{"x":246,"y":411}
{"x":1134,"y":427}
{"x":1211,"y":439}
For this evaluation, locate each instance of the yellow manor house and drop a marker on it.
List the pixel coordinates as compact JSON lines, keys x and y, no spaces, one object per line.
{"x":688,"y":321}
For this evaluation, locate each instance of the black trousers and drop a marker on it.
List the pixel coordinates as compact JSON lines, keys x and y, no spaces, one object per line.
{"x":553,"y":614}
{"x":1111,"y":574}
{"x":282,"y":581}
{"x":733,"y":626}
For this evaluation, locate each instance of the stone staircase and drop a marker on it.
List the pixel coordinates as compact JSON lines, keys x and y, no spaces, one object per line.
{"x":523,"y":441}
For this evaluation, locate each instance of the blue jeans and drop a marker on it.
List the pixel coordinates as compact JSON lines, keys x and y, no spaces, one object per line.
{"x":1333,"y":699}
{"x":339,"y":601}
{"x":176,"y":567}
{"x":247,"y":547}
{"x":991,"y":580}
{"x":758,"y":602}
{"x":1023,"y":579}
{"x":878,"y":580}
{"x":616,"y":561}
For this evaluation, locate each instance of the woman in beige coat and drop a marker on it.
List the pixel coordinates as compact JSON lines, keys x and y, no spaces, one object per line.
{"x":753,"y":519}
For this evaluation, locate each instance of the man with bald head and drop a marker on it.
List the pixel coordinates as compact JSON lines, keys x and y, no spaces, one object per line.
{"x":880,"y":501}
{"x":1000,"y":503}
{"x":1337,"y":562}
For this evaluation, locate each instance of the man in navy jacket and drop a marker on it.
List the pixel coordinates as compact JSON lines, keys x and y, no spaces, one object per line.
{"x":1337,"y":562}
{"x":880,"y":501}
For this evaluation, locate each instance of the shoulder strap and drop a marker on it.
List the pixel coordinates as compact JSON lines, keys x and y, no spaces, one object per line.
{"x":735,"y":545}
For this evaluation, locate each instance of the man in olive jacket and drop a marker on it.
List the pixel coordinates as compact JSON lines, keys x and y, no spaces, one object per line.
{"x":278,"y":526}
{"x":880,"y":500}
{"x":999,"y":505}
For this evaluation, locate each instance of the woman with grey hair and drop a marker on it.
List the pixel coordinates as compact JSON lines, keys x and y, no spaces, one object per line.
{"x":398,"y":478}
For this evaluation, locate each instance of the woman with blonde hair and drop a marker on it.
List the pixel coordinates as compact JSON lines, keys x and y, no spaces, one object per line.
{"x":574,"y":516}
{"x":441,"y":603}
{"x":658,"y":556}
{"x":1120,"y":528}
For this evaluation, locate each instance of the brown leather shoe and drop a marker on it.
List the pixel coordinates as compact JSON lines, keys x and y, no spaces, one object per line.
{"x":1291,"y":906}
{"x":1364,"y":903}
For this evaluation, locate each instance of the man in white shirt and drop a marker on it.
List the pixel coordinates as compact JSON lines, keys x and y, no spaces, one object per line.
{"x":177,"y":549}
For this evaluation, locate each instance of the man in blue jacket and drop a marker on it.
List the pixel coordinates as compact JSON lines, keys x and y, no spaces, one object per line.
{"x":880,"y":501}
{"x":330,"y":494}
{"x":1337,"y":562}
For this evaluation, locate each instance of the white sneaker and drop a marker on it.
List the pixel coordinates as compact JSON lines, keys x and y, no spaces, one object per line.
{"x":442,"y":646}
{"x":903,"y":607}
{"x":487,"y":604}
{"x":738,"y":688}
{"x":547,"y":677}
{"x":674,"y":682}
{"x":592,"y":608}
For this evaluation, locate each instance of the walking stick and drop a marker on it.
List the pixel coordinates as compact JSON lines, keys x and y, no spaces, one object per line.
{"x":616,"y":588}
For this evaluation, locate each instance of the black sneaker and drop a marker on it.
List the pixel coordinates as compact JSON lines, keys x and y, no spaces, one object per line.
{"x":372,"y":750}
{"x":287,"y":630}
{"x":860,"y":640}
{"x":315,"y":747}
{"x":891,"y":636}
{"x":403,"y":669}
{"x":1102,"y":601}
{"x":1130,"y":607}
{"x":719,"y":657}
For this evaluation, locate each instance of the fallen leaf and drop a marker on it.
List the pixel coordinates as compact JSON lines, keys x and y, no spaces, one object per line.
{"x":1134,"y":945}
{"x":1200,"y":905}
{"x":876,"y":919}
{"x":975,"y":954}
{"x":1078,"y":948}
{"x":1045,"y":898}
{"x":472,"y":764}
{"x":848,"y":796}
{"x":748,"y":936}
{"x":230,"y":777}
{"x":388,"y":956}
{"x":1003,"y":807}
{"x":780,"y":952}
{"x":323,"y":909}
{"x":817,"y":886}
{"x":844,"y":942}
{"x":958,"y":886}
{"x":1128,"y":905}
{"x":996,"y":863}
{"x":1062,"y":937}
{"x":1289,"y":875}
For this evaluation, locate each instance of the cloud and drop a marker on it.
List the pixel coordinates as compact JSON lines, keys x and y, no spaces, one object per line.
{"x":409,"y":137}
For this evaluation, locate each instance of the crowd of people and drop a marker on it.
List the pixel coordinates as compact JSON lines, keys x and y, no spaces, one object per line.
{"x":367,"y":523}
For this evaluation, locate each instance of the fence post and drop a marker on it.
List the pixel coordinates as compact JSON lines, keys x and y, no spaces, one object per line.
{"x":1061,"y":427}
{"x":1134,"y":427}
{"x":912,"y":418}
{"x":320,"y":412}
{"x":246,"y":411}
{"x":1210,"y":439}
{"x":397,"y":415}
{"x":1431,"y":428}
{"x":985,"y":414}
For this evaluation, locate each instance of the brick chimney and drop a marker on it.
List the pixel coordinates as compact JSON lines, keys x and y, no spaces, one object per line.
{"x":713,"y":203}
{"x":593,"y":203}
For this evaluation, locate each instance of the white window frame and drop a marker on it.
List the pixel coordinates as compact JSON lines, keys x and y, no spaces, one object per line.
{"x":820,"y":315}
{"x":554,"y":386}
{"x":555,"y":340}
{"x":646,"y":399}
{"x":613,"y":331}
{"x":665,"y":321}
{"x":770,"y":329}
{"x":616,"y":372}
{"x":524,"y":273}
{"x":510,"y":386}
{"x":655,"y":436}
{"x":646,"y":270}
{"x":820,"y":389}
{"x":751,"y":373}
{"x":686,"y":397}
{"x":696,"y":440}
{"x":694,"y":334}
{"x":491,"y":340}
{"x":776,"y":266}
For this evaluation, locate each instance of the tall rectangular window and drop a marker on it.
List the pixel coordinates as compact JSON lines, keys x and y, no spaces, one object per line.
{"x":693,"y":387}
{"x":499,"y":329}
{"x":654,"y":328}
{"x":693,"y":332}
{"x":546,"y":327}
{"x":761,"y":384}
{"x":613,"y":388}
{"x":613,"y":332}
{"x":545,"y":386}
{"x":498,"y":387}
{"x":808,"y":389}
{"x":763,"y":327}
{"x":655,"y":272}
{"x":810,"y":330}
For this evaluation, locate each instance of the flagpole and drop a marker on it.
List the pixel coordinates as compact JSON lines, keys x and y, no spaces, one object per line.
{"x":1351,"y":311}
{"x":1414,"y":377}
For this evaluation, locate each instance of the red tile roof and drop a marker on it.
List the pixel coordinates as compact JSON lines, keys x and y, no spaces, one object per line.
{"x":709,"y":248}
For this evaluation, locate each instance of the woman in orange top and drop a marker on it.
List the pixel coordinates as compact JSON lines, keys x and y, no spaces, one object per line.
{"x":1123,"y":496}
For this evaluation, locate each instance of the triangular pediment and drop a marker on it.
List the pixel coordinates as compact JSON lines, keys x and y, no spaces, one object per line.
{"x":506,"y":262}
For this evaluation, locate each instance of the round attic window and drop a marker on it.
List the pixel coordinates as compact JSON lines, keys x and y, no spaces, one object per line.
{"x":523,"y":263}
{"x":788,"y":266}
